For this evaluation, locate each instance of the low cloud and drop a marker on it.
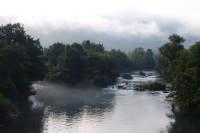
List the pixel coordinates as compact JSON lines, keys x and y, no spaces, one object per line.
{"x":126,"y":34}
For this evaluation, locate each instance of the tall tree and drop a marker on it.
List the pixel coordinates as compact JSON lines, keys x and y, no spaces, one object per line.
{"x":15,"y":34}
{"x":171,"y":51}
{"x":21,"y":62}
{"x":186,"y":81}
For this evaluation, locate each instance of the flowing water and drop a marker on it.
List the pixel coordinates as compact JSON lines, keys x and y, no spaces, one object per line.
{"x":61,"y":109}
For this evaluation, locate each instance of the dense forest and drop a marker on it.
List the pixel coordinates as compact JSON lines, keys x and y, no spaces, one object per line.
{"x":181,"y":67}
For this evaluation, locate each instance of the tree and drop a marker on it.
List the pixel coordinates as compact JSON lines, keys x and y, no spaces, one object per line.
{"x":54,"y":52}
{"x":92,"y":47}
{"x":15,"y":34}
{"x":186,"y":83}
{"x":86,"y":44}
{"x":70,"y":64}
{"x":81,"y":64}
{"x":14,"y":68}
{"x":141,"y":59}
{"x":21,"y":62}
{"x":149,"y":62}
{"x":137,"y":57}
{"x":121,"y":60}
{"x":5,"y":106}
{"x":171,"y":51}
{"x":183,"y":67}
{"x":99,"y":69}
{"x":162,"y":67}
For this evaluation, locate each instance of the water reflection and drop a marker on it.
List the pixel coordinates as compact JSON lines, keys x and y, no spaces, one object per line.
{"x":29,"y":120}
{"x":61,"y":109}
{"x":67,"y":108}
{"x":58,"y":108}
{"x":185,"y":123}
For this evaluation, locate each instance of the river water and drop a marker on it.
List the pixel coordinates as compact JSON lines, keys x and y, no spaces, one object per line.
{"x":61,"y":109}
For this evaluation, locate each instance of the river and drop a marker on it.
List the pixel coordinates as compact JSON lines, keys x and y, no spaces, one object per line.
{"x":62,"y":109}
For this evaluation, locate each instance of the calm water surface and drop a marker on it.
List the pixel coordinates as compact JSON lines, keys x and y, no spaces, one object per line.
{"x":104,"y":111}
{"x":61,"y":109}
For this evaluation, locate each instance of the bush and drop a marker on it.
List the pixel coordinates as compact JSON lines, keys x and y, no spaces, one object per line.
{"x":5,"y":106}
{"x":142,"y":73}
{"x":153,"y":86}
{"x":8,"y":89}
{"x":127,"y":76}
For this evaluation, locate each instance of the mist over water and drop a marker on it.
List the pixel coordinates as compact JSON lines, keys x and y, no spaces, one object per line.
{"x":101,"y":110}
{"x":69,"y":109}
{"x":62,"y":109}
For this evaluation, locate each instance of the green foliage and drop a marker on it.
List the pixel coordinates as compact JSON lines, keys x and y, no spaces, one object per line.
{"x":126,"y":76}
{"x":99,"y":69}
{"x":54,"y":52}
{"x":186,"y":83}
{"x":169,"y":53}
{"x":183,"y":68}
{"x":121,"y":60}
{"x":21,"y":62}
{"x":162,"y":67}
{"x":89,"y":64}
{"x":14,"y":34}
{"x":8,"y":88}
{"x":149,"y":62}
{"x":142,"y":73}
{"x":14,"y":69}
{"x":92,"y":47}
{"x":171,"y":49}
{"x":153,"y":86}
{"x":70,"y":64}
{"x":142,"y":60}
{"x":85,"y":64}
{"x":5,"y":106}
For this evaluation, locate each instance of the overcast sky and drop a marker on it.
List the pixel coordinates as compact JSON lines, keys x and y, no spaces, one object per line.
{"x":119,"y":24}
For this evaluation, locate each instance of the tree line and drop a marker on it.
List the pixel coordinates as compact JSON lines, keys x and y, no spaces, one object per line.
{"x":181,"y":67}
{"x":90,"y":64}
{"x":23,"y":60}
{"x":80,"y":64}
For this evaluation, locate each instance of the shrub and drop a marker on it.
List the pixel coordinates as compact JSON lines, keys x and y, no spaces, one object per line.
{"x":5,"y":106}
{"x":127,"y":76}
{"x":142,"y":73}
{"x":153,"y":86}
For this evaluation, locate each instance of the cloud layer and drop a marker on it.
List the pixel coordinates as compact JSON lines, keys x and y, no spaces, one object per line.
{"x":117,"y":24}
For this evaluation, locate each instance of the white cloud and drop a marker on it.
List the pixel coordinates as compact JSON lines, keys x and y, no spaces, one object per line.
{"x":125,"y":19}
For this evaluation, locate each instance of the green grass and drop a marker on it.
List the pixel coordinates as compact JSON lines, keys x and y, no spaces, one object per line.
{"x":153,"y":86}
